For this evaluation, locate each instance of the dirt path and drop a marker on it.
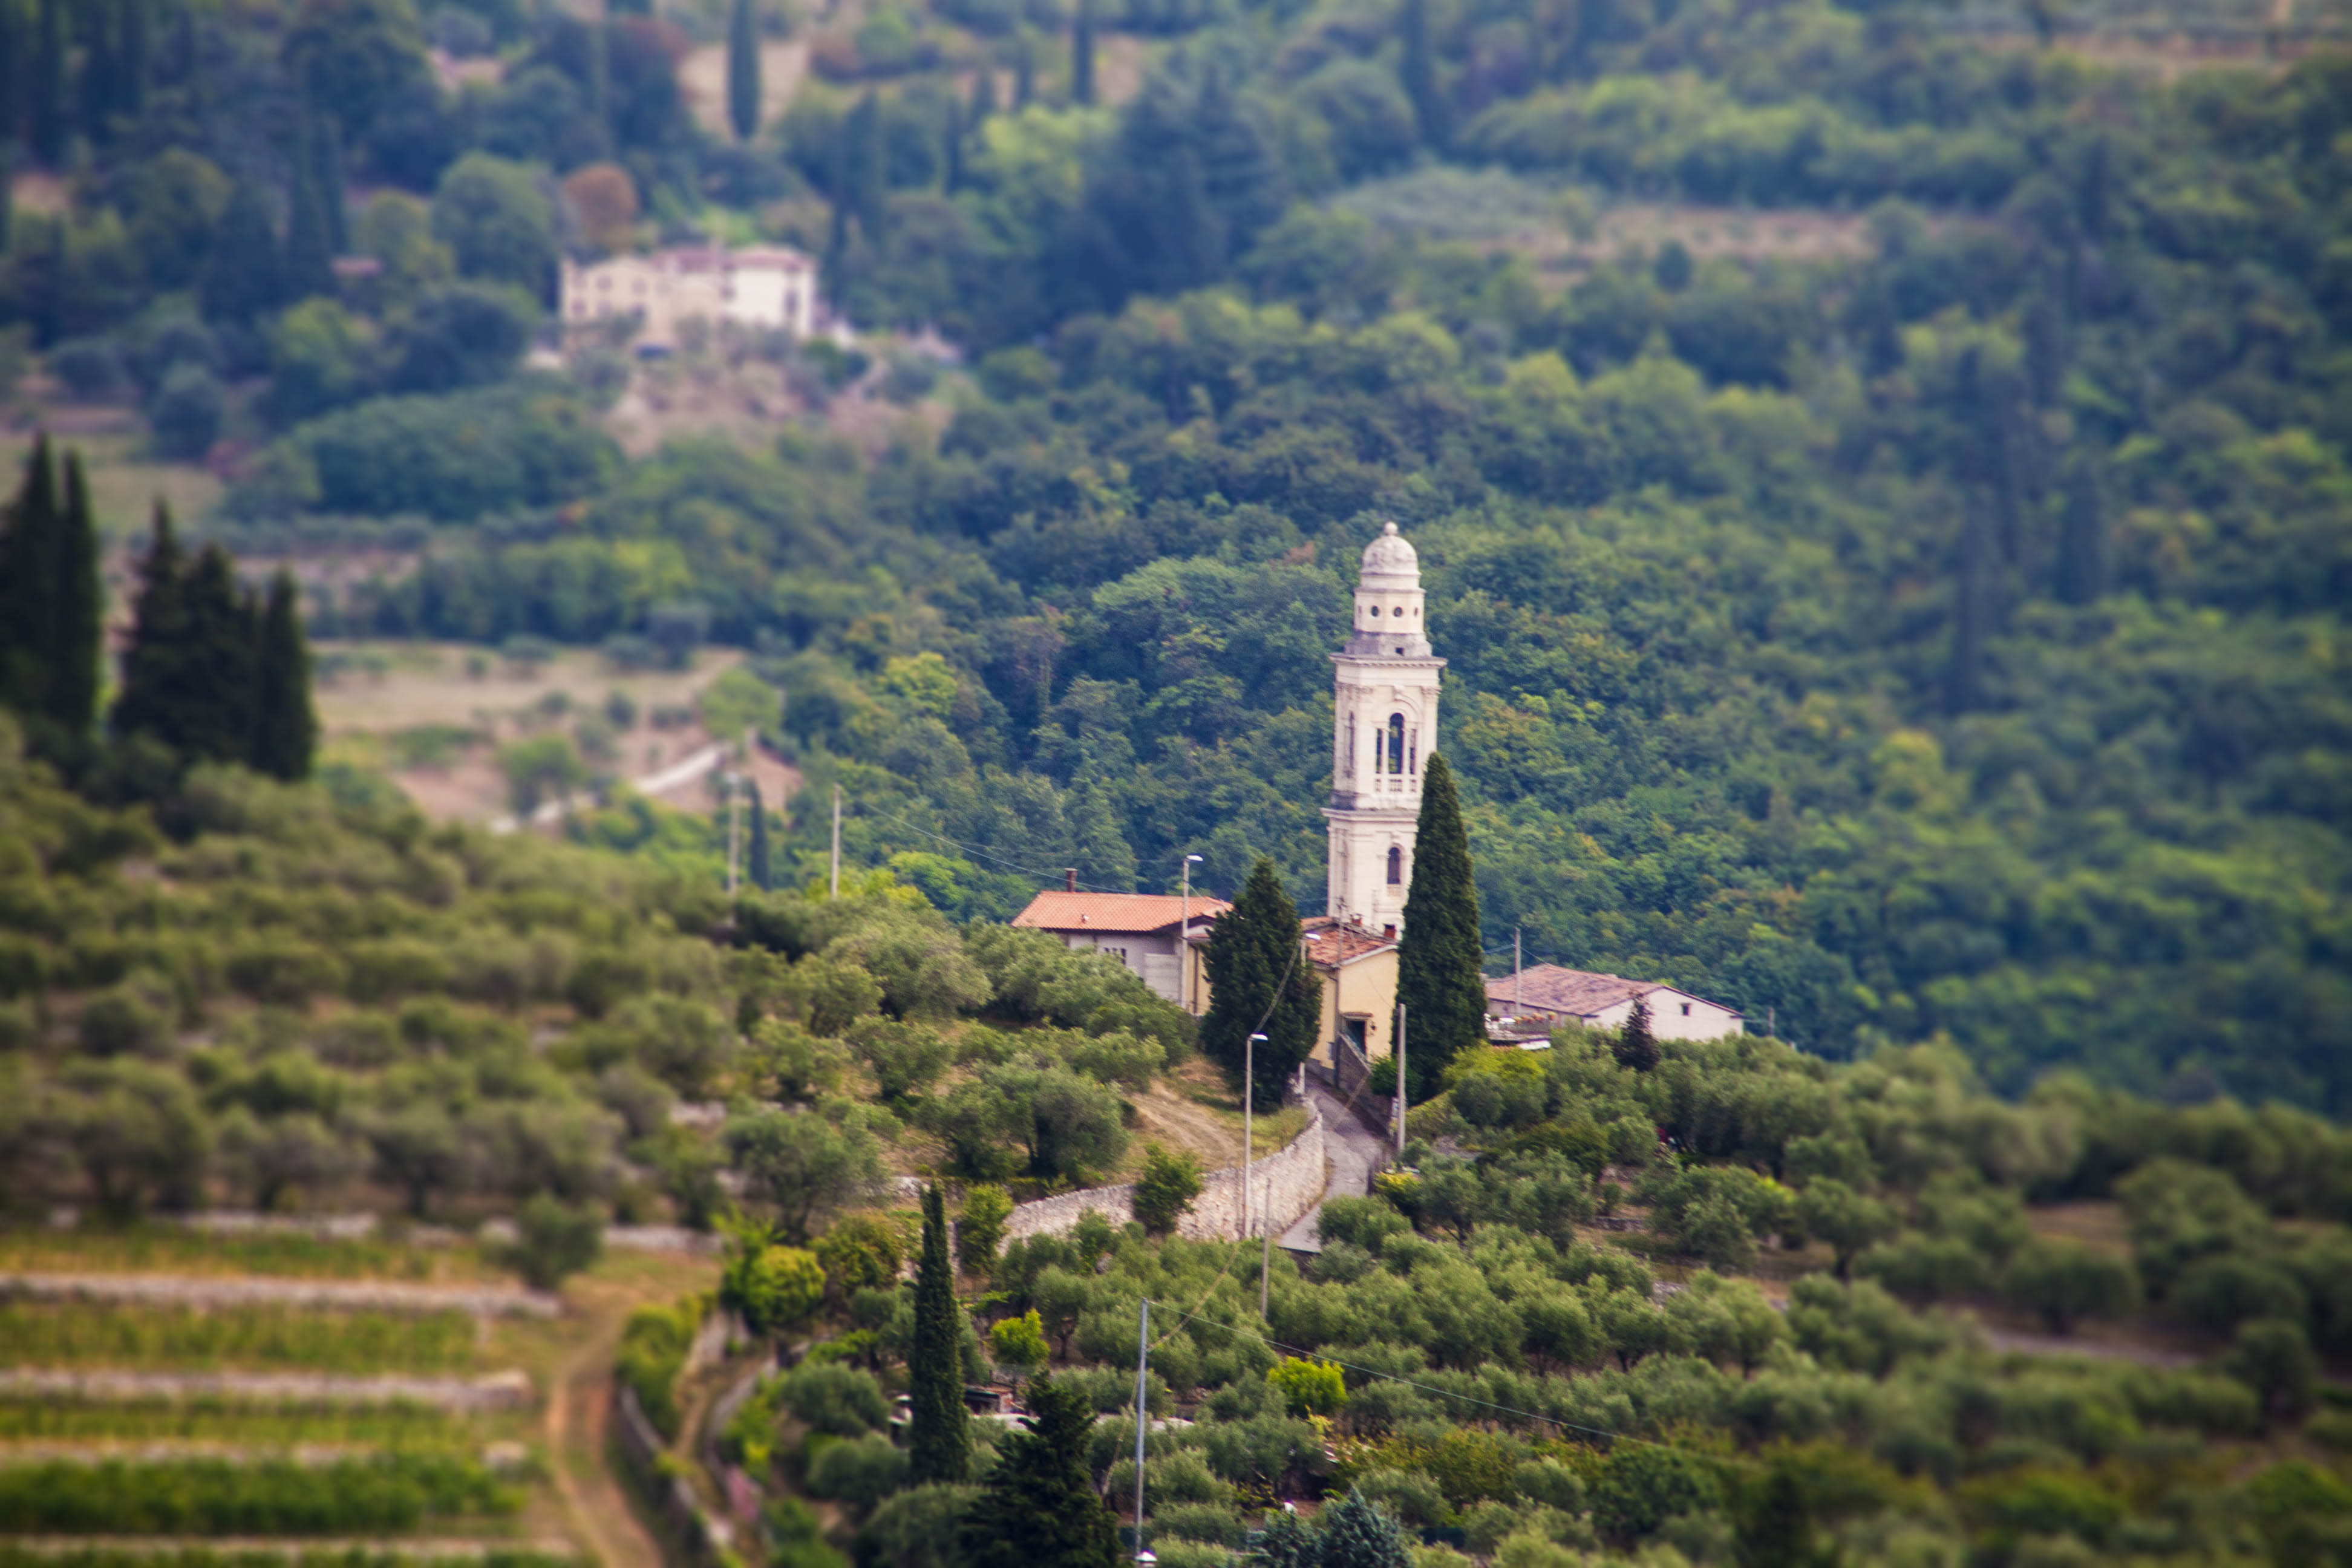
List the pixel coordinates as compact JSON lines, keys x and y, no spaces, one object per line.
{"x":578,"y":1402}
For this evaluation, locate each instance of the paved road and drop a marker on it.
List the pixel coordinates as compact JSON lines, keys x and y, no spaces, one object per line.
{"x":1354,"y":1153}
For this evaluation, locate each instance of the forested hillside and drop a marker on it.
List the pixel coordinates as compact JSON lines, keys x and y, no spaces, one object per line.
{"x":1943,"y":640}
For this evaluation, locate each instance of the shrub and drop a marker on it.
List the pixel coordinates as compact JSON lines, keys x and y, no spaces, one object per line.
{"x":653,"y":1352}
{"x":1019,"y":1342}
{"x":1169,"y":1182}
{"x":859,"y":1472}
{"x":554,"y":1240}
{"x":979,"y":1230}
{"x":777,"y":1289}
{"x":842,"y":1400}
{"x":2064,"y":1282}
{"x":1309,"y":1387}
{"x":1643,"y":1485}
{"x":860,"y":1253}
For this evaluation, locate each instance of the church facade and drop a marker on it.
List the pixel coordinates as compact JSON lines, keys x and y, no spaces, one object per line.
{"x":1384,"y":722}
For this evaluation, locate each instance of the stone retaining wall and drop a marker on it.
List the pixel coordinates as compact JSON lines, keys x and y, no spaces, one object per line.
{"x":498,"y":1391}
{"x":1294,"y":1174}
{"x":334,"y":1295}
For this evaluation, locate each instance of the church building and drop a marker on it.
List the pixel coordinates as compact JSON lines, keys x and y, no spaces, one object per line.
{"x":1384,"y":717}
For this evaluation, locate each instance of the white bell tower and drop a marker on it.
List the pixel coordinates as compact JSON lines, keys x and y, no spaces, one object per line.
{"x":1385,"y":721}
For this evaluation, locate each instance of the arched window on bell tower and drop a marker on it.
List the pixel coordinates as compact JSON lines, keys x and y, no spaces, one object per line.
{"x":1396,"y":742}
{"x":1396,"y":866}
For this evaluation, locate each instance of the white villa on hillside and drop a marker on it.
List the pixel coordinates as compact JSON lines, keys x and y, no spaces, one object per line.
{"x":761,"y":286}
{"x":1526,"y":1006}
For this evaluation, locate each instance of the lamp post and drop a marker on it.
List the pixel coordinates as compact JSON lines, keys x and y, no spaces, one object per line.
{"x":1249,"y":1084}
{"x":1184,"y":939}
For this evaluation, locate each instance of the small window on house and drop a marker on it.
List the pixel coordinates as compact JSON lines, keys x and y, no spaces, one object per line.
{"x":1396,"y":866}
{"x":1686,"y":1009}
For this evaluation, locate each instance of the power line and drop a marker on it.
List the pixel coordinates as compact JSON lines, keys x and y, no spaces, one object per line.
{"x":975,"y":850}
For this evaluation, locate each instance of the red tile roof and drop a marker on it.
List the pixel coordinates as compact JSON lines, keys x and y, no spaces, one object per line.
{"x":1331,"y":944}
{"x":1567,"y":992}
{"x":1056,"y":909}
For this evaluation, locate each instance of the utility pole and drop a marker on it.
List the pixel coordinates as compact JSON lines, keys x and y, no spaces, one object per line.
{"x":1142,"y":1418}
{"x":1249,"y":1083}
{"x":1184,"y":939}
{"x":1400,"y":1060}
{"x":834,"y":888}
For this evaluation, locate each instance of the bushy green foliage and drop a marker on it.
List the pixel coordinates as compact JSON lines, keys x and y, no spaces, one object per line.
{"x":654,"y":1346}
{"x":388,"y":1492}
{"x":1170,"y":1182}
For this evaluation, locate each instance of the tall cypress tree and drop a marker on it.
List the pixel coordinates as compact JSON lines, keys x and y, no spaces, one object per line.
{"x":2082,"y":537}
{"x":80,"y":611}
{"x":1038,"y":1507}
{"x":327,"y":167}
{"x":310,"y":240}
{"x":190,"y":676}
{"x":48,"y":105}
{"x":983,"y":95}
{"x":939,"y":1444}
{"x":758,"y":864}
{"x":241,"y":276}
{"x":1259,"y":982}
{"x":1441,"y":967}
{"x":152,"y":663}
{"x":742,"y":71}
{"x":30,"y":572}
{"x":1418,"y":70}
{"x":1082,"y":55}
{"x":285,"y":727}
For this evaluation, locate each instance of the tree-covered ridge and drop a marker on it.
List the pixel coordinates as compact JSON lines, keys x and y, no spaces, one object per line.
{"x":1938,"y":640}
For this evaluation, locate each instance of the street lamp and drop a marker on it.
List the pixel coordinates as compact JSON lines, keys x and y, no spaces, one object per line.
{"x":1249,"y":1083}
{"x":1184,"y":938}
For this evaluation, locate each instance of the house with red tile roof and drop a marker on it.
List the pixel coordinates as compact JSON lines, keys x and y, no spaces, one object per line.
{"x":1528,"y":1005}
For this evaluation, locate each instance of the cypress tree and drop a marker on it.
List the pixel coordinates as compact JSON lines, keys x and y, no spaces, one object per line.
{"x":189,"y":677}
{"x":1082,"y":55}
{"x":983,"y":95}
{"x":2083,"y":537}
{"x":310,"y":242}
{"x":1440,"y":964}
{"x":12,"y":71}
{"x":132,"y":60}
{"x":1038,"y":1507}
{"x":866,"y":170}
{"x":240,"y":279}
{"x":1260,"y":983}
{"x":1418,"y":70}
{"x":285,"y":727}
{"x":1024,"y":71}
{"x":1636,"y":1047}
{"x":30,"y":573}
{"x":48,"y":106}
{"x":939,"y":1444}
{"x":326,"y":168}
{"x":758,"y":866}
{"x":159,"y":616}
{"x":80,"y":611}
{"x":742,"y":71}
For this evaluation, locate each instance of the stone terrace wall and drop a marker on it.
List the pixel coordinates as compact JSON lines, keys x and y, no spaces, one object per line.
{"x":1295,"y":1172}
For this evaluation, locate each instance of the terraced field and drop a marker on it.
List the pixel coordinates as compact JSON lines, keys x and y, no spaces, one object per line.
{"x":171,"y":1400}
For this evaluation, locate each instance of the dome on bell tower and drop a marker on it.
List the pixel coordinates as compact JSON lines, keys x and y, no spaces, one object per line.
{"x":1389,"y":563}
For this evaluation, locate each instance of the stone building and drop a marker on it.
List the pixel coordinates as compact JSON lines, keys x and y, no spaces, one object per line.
{"x":770,"y":287}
